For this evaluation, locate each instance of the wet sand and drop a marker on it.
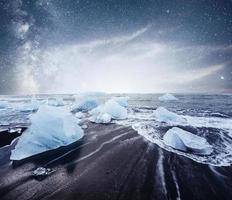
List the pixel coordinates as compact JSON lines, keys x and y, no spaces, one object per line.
{"x":112,"y":162}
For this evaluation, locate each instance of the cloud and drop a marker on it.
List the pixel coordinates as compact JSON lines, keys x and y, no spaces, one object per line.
{"x":202,"y":73}
{"x":113,"y":41}
{"x":127,"y":63}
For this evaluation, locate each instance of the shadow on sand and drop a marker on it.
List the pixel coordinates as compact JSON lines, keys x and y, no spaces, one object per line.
{"x":61,"y":156}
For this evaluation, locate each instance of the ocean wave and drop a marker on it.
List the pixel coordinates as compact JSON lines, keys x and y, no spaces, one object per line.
{"x":217,"y":131}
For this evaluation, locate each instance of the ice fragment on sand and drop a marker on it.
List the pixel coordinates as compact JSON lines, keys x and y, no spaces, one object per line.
{"x":42,"y":171}
{"x":79,"y":115}
{"x":84,"y":104}
{"x":112,"y":108}
{"x":186,"y":141}
{"x":103,"y":118}
{"x":84,"y":126}
{"x":14,"y":130}
{"x":161,"y":114}
{"x":51,"y":127}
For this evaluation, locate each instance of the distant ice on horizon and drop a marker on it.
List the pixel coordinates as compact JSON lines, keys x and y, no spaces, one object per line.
{"x":168,"y":97}
{"x":55,"y":102}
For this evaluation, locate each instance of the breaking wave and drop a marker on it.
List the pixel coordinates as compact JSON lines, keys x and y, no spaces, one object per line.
{"x":217,"y":131}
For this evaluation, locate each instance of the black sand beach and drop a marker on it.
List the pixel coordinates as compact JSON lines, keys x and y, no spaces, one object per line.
{"x":112,"y":162}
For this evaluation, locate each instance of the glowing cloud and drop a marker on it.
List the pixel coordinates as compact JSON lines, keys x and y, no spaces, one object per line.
{"x":122,"y":64}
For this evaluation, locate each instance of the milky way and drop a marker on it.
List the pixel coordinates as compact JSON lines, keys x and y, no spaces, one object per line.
{"x":54,"y":46}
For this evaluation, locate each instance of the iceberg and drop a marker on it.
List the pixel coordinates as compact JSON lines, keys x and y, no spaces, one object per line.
{"x":85,"y":104}
{"x":88,"y":94}
{"x":29,"y":107}
{"x":186,"y":141}
{"x":101,"y":118}
{"x":112,"y":108}
{"x":51,"y":127}
{"x":55,"y":102}
{"x":3,"y":104}
{"x":168,"y":97}
{"x":122,"y":101}
{"x":161,"y":114}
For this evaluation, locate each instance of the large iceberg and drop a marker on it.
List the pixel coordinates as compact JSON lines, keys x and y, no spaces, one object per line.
{"x":161,"y":114}
{"x":55,"y":102}
{"x":33,"y":105}
{"x":168,"y":97}
{"x":84,"y":104}
{"x":51,"y":127}
{"x":186,"y":141}
{"x":112,"y":108}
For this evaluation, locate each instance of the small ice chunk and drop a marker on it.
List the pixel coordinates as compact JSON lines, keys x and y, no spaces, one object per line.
{"x":79,"y":120}
{"x":161,"y":114}
{"x":3,"y":104}
{"x":14,"y":130}
{"x":168,"y":97}
{"x":101,"y":118}
{"x":111,"y":107}
{"x":51,"y":127}
{"x":85,"y":104}
{"x":56,"y":102}
{"x":186,"y":141}
{"x":122,"y":101}
{"x":79,"y":115}
{"x":84,"y":126}
{"x":27,"y":107}
{"x":42,"y":171}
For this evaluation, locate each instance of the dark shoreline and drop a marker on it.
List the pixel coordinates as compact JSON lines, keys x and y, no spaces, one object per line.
{"x":113,"y":162}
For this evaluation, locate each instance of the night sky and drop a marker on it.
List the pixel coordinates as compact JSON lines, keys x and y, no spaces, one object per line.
{"x":57,"y":46}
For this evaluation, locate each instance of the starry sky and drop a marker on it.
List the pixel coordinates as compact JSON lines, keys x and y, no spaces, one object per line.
{"x":136,"y":46}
